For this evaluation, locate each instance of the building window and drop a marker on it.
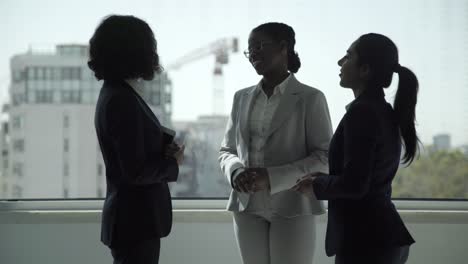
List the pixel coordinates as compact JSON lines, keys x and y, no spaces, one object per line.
{"x":76,"y":96}
{"x":5,"y":129}
{"x":18,"y":76}
{"x":56,"y":74}
{"x":99,"y":169}
{"x":50,"y":96}
{"x":66,"y":121}
{"x":5,"y":188}
{"x":71,"y":73}
{"x":44,"y":96}
{"x":66,"y":97}
{"x":32,"y":85}
{"x":30,"y":97}
{"x":39,"y":96}
{"x":87,"y":97}
{"x":31,"y":73}
{"x":167,"y":108}
{"x":99,"y":180}
{"x":17,"y":169}
{"x":15,"y":99}
{"x":66,"y":170}
{"x":66,"y":146}
{"x":40,"y":71}
{"x":17,"y":191}
{"x":155,"y":98}
{"x":18,"y":145}
{"x":76,"y":73}
{"x":48,"y":73}
{"x":17,"y":122}
{"x":100,"y":192}
{"x":66,"y":73}
{"x":73,"y":96}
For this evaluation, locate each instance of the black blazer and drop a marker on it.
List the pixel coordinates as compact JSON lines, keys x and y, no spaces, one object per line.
{"x":364,"y":156}
{"x":138,"y":202}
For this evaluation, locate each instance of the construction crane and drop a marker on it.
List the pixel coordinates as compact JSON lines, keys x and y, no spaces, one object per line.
{"x":221,"y":49}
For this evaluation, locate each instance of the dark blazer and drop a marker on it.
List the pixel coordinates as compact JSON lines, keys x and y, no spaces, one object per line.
{"x":138,"y":202}
{"x":364,"y":157}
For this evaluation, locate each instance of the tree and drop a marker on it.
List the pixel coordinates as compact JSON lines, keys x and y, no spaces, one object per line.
{"x":435,"y":174}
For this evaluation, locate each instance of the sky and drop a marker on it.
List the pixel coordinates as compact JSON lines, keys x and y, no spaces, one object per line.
{"x":432,"y":36}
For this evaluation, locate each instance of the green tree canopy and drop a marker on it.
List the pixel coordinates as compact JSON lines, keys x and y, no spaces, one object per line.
{"x":435,"y":174}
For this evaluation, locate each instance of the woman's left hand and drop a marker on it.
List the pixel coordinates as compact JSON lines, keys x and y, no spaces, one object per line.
{"x":261,"y":180}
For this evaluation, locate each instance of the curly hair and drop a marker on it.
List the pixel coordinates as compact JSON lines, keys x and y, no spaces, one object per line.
{"x":123,"y":47}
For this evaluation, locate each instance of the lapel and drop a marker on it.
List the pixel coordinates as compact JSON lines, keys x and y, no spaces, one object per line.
{"x":245,"y":108}
{"x":287,"y":104}
{"x":143,"y":104}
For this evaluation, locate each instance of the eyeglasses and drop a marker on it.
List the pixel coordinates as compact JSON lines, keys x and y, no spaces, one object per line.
{"x":258,"y":47}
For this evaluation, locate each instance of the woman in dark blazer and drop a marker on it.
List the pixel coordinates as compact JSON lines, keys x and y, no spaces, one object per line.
{"x":139,"y":157}
{"x":364,"y":156}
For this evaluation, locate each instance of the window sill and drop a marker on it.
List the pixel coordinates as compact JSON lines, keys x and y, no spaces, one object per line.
{"x":204,"y":211}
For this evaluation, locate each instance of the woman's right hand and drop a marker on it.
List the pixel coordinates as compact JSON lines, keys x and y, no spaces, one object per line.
{"x":244,"y":182}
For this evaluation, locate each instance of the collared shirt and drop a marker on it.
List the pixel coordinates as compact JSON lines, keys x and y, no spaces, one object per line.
{"x":261,"y":115}
{"x":260,"y":118}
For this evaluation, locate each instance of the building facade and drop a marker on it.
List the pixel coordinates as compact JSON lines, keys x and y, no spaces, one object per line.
{"x":49,"y":145}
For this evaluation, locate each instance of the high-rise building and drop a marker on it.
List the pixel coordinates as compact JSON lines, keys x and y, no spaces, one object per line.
{"x":442,"y":142}
{"x":49,"y":140}
{"x":200,"y":175}
{"x":4,"y":158}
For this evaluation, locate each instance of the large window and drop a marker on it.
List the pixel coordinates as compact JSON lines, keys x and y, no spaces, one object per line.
{"x":194,"y":97}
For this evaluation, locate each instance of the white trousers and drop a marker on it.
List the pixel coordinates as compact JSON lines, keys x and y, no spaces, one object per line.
{"x":267,"y":238}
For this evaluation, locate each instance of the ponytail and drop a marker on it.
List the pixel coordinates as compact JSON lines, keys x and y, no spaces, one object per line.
{"x":405,"y":109}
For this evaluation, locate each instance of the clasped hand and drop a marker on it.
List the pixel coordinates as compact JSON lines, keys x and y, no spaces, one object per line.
{"x":252,"y":180}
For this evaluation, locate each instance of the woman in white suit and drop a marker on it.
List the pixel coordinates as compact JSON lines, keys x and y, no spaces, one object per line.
{"x":278,"y":131}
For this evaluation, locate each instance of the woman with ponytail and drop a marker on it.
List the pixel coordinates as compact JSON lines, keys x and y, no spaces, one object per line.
{"x":279,"y":130}
{"x":363,"y":224}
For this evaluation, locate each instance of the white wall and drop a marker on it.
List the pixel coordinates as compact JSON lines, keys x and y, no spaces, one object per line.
{"x":199,"y":236}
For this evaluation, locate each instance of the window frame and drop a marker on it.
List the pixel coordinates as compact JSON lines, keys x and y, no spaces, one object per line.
{"x":204,"y":204}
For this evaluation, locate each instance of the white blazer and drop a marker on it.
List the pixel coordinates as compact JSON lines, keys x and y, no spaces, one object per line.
{"x":297,"y":144}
